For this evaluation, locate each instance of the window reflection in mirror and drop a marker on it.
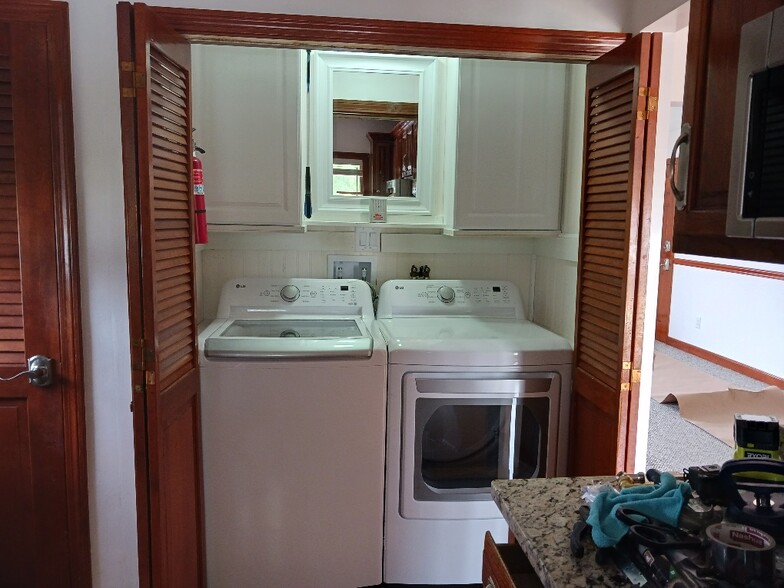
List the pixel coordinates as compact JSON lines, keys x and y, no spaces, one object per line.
{"x":376,"y":114}
{"x":350,"y":173}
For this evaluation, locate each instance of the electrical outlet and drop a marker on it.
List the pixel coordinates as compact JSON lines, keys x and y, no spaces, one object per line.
{"x":351,"y":266}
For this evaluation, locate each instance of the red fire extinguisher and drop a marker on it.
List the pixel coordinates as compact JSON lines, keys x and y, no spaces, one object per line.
{"x":199,"y":204}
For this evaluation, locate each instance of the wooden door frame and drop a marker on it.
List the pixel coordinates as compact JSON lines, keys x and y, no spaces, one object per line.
{"x":302,"y":31}
{"x":70,"y":369}
{"x":664,"y":294}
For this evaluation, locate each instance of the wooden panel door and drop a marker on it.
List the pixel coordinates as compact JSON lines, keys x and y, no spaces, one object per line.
{"x":618,"y":159}
{"x":44,"y":534}
{"x":709,"y":107}
{"x":156,"y":92}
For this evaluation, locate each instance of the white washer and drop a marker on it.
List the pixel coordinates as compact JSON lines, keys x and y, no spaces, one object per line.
{"x":293,"y":402}
{"x":476,"y":393}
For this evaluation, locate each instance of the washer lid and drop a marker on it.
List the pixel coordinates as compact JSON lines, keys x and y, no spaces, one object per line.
{"x":289,"y":337}
{"x":472,"y":341}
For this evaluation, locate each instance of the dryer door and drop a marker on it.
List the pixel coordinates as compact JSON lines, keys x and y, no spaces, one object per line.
{"x":461,"y":431}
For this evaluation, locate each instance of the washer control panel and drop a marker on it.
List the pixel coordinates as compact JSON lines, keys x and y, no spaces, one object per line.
{"x":254,"y":296}
{"x":445,"y":297}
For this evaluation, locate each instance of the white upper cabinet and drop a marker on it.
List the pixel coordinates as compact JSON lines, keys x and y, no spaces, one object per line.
{"x":510,"y":145}
{"x":247,"y":112}
{"x":485,"y":144}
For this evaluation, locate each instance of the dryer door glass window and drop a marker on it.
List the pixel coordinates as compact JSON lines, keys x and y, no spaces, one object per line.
{"x":462,"y":444}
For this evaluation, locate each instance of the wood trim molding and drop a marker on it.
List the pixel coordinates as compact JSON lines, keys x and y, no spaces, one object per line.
{"x":725,"y":362}
{"x":375,"y":109}
{"x":732,"y":269}
{"x":321,"y":32}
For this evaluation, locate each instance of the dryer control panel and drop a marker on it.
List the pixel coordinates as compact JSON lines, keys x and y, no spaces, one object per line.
{"x":450,"y":298}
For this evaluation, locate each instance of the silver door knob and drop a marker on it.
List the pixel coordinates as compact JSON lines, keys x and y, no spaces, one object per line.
{"x":39,"y":371}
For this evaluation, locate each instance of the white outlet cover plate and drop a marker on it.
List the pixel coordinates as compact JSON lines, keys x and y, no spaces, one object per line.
{"x":337,"y":258}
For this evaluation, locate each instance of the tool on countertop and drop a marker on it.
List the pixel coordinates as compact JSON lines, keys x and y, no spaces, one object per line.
{"x":757,"y":436}
{"x":749,"y":485}
{"x":650,"y":532}
{"x":740,"y":553}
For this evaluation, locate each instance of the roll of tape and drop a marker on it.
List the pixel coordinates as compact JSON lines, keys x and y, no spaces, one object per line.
{"x":741,"y":553}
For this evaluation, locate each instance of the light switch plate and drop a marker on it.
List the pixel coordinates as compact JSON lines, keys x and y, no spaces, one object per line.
{"x":367,"y":239}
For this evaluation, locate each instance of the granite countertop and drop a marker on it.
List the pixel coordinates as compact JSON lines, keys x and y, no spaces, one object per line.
{"x":541,"y":513}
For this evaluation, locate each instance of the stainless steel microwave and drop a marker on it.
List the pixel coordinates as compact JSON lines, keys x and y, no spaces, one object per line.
{"x":756,"y":194}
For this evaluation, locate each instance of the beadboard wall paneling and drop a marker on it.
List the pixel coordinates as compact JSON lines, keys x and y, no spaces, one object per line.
{"x":555,"y":290}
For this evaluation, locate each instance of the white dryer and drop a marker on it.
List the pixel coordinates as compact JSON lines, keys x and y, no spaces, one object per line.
{"x":476,"y":393}
{"x":293,"y":402}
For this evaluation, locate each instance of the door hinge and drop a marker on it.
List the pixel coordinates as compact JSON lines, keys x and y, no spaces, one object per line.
{"x":626,"y":365}
{"x":149,"y":377}
{"x":132,"y":80}
{"x":651,"y":103}
{"x":636,"y":375}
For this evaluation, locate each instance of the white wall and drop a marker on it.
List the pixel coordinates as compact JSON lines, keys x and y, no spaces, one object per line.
{"x":350,"y":134}
{"x":101,"y":217}
{"x":737,"y":316}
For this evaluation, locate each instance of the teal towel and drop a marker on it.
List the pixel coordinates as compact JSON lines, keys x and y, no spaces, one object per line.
{"x":662,"y":502}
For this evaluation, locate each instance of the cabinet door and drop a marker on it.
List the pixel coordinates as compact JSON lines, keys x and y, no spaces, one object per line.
{"x":709,"y":107}
{"x":510,"y":145}
{"x":246,"y":106}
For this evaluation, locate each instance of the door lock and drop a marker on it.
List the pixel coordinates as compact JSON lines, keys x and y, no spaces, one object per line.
{"x":39,"y":371}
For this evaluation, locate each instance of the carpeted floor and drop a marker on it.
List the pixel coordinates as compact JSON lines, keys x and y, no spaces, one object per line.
{"x":673,"y":443}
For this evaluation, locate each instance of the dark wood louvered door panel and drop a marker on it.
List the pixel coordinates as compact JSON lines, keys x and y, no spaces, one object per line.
{"x":611,"y":233}
{"x":43,"y":539}
{"x":167,"y":304}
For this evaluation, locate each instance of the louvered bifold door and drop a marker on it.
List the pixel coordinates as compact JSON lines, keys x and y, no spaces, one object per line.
{"x":171,"y":375}
{"x":171,"y":219}
{"x":609,"y":263}
{"x":11,"y":326}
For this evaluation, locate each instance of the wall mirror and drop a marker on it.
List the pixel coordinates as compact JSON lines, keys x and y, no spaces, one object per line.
{"x":374,"y":133}
{"x":374,"y":125}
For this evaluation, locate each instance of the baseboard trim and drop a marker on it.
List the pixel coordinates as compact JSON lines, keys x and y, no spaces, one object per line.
{"x":733,"y":269}
{"x":725,"y":362}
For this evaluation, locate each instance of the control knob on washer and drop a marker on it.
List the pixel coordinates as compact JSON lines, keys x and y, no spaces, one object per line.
{"x":446,"y":294}
{"x":289,"y":293}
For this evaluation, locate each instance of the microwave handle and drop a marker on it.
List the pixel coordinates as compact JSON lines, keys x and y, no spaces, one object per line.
{"x":678,"y":185}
